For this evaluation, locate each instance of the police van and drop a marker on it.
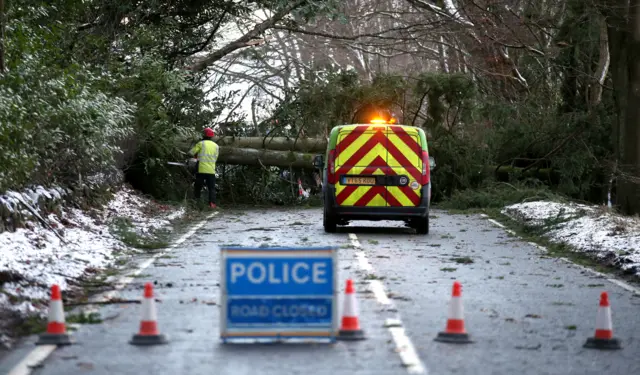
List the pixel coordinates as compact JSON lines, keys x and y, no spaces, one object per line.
{"x":376,"y":171}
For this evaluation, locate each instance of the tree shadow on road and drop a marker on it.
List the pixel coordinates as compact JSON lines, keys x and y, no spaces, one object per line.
{"x":376,"y":230}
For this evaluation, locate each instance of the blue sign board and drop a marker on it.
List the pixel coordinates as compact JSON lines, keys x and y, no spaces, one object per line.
{"x":279,"y":294}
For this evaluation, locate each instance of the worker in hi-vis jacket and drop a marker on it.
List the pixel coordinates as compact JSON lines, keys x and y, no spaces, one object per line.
{"x":206,"y":151}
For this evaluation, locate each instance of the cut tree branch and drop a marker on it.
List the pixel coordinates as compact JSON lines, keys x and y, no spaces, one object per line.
{"x":244,"y":40}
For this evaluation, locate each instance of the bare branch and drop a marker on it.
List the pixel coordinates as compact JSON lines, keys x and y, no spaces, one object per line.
{"x":242,"y":41}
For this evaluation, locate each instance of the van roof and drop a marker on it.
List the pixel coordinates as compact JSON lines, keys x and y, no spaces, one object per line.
{"x":347,"y":127}
{"x":377,"y":125}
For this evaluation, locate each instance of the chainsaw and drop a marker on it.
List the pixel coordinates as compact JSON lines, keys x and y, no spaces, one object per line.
{"x":190,"y":164}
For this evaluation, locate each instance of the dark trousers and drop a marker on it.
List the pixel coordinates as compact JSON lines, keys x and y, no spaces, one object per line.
{"x":210,"y":180}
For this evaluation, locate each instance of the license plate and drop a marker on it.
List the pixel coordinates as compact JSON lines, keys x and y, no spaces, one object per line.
{"x":360,"y":180}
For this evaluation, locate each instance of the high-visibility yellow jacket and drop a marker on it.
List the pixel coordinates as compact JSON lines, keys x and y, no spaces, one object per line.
{"x":207,"y":153}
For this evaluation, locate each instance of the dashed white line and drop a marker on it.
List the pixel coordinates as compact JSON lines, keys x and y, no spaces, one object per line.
{"x":41,"y":353}
{"x":496,"y":223}
{"x":408,"y":355}
{"x":378,"y":291}
{"x":614,"y":281}
{"x":406,"y":351}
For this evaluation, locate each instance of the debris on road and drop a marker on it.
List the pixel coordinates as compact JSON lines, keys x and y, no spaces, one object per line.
{"x":593,"y":230}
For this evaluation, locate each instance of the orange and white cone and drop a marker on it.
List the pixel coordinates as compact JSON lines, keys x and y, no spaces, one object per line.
{"x":350,"y":325}
{"x":56,"y":333}
{"x":603,"y":338}
{"x":149,"y":333}
{"x":455,"y":331}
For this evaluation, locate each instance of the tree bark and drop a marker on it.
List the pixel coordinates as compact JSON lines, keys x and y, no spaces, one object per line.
{"x":267,"y":158}
{"x":616,"y":13}
{"x":318,"y":145}
{"x":595,"y":94}
{"x":629,"y":183}
{"x":2,"y":27}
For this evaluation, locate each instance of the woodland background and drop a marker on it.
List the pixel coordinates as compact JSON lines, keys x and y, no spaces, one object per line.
{"x":518,"y":97}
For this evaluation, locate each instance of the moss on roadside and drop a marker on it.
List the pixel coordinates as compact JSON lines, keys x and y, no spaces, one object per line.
{"x":124,"y":229}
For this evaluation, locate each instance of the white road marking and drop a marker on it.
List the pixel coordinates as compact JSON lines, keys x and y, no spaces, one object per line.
{"x":496,"y":223}
{"x":410,"y":359}
{"x":42,"y":352}
{"x":406,"y":351}
{"x":33,"y":359}
{"x":363,"y":262}
{"x":614,"y":281}
{"x":377,"y":288}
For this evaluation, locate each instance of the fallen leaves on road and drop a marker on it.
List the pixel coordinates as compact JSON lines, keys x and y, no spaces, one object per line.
{"x":85,"y":365}
{"x":536,"y":347}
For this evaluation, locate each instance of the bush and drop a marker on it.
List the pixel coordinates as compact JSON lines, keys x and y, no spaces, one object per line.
{"x":498,"y":195}
{"x":57,"y":126}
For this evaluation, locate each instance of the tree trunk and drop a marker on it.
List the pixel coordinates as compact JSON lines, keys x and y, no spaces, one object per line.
{"x":616,"y":13}
{"x":595,"y":94}
{"x":318,"y":145}
{"x":2,"y":26}
{"x":629,"y":183}
{"x":267,"y":158}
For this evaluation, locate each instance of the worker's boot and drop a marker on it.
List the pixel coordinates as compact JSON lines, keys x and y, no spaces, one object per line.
{"x":212,"y":205}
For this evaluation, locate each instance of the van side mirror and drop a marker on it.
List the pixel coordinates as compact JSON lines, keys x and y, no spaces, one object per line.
{"x":432,"y":163}
{"x":318,"y":161}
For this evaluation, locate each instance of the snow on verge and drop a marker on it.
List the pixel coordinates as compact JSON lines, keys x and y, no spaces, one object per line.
{"x":610,"y":238}
{"x":34,"y":258}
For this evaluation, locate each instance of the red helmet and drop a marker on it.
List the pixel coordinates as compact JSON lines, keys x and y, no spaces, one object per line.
{"x":208,"y":132}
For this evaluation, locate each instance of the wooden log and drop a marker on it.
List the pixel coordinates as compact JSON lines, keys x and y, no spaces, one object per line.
{"x":307,"y":145}
{"x":268,"y":158}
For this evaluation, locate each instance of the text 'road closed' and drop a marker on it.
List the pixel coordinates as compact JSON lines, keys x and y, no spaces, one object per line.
{"x":278,"y":310}
{"x":280,"y":275}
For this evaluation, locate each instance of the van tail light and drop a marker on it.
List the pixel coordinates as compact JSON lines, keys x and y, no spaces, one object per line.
{"x":331,"y":167}
{"x":426,"y":171}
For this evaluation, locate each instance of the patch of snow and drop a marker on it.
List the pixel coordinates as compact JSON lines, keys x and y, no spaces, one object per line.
{"x":605,"y":236}
{"x":34,"y":258}
{"x":11,"y":199}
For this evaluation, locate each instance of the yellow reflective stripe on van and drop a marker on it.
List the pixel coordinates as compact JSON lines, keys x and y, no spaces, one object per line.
{"x":372,"y":150}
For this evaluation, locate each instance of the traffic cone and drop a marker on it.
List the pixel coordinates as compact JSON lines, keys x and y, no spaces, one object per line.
{"x":149,"y":334}
{"x":56,"y":329}
{"x":603,"y":338}
{"x":350,"y":327}
{"x":455,"y":331}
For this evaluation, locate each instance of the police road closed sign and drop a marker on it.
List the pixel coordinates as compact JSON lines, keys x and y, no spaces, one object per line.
{"x":279,"y":294}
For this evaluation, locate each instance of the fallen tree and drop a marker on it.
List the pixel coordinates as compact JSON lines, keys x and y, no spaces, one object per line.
{"x":317,"y":145}
{"x":253,"y":156}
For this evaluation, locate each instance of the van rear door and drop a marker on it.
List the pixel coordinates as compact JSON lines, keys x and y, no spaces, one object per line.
{"x":361,"y":164}
{"x":404,"y":158}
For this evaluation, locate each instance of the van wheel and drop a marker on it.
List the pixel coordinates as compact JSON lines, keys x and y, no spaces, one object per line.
{"x":329,"y":222}
{"x":422,"y":225}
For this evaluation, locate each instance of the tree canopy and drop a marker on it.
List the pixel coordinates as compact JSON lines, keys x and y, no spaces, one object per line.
{"x":90,"y":87}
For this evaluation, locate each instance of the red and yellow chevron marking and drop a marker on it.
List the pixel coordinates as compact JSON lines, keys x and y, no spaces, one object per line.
{"x":378,"y":150}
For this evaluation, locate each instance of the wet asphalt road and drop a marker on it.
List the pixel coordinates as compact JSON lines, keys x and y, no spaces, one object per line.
{"x":527,"y":313}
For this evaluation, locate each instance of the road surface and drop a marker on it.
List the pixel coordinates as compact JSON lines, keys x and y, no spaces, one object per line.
{"x":527,"y":313}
